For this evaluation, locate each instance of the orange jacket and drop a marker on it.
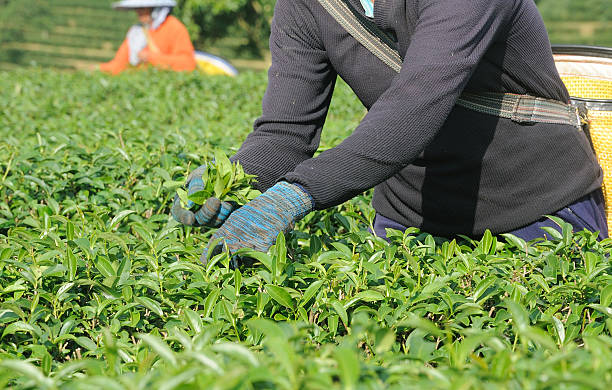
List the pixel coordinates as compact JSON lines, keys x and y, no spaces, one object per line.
{"x":170,"y":48}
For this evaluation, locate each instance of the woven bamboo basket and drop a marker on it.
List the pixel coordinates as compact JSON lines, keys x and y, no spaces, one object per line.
{"x":587,"y":74}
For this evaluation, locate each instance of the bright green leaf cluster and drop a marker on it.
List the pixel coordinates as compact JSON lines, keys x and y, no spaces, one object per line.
{"x":224,"y":180}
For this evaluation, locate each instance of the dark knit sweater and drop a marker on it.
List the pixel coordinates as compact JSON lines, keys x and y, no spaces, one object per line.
{"x":435,"y":166}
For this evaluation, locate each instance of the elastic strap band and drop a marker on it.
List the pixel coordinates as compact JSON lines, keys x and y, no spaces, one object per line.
{"x":523,"y":108}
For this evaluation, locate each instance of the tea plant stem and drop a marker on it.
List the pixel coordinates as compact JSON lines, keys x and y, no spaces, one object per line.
{"x":159,"y":186}
{"x":514,"y":343}
{"x":8,"y":168}
{"x":163,"y":204}
{"x":121,"y":141}
{"x":236,"y":331}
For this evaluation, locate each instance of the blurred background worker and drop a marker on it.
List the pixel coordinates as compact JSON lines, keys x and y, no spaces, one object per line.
{"x":160,"y":39}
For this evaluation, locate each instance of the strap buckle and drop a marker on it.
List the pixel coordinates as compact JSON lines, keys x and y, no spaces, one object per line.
{"x":583,"y":114}
{"x":523,"y":109}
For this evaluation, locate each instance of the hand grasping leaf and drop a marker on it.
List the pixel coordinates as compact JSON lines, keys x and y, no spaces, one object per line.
{"x":224,"y":180}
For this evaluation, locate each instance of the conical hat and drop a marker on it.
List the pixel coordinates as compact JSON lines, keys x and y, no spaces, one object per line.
{"x":131,"y":4}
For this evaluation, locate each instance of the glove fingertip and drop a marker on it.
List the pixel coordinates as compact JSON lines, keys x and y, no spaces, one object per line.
{"x":195,"y":185}
{"x":213,"y":204}
{"x":187,"y":218}
{"x":176,"y":208}
{"x":175,"y":204}
{"x":181,"y":215}
{"x":202,"y":216}
{"x":208,"y":211}
{"x":226,"y":209}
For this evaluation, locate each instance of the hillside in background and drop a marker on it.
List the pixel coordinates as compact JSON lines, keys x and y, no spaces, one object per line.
{"x":65,"y":34}
{"x":585,"y":22}
{"x":76,"y":34}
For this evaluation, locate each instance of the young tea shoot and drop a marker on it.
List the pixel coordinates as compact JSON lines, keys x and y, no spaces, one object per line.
{"x":222,"y":179}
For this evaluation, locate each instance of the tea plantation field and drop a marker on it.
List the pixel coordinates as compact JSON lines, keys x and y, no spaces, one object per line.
{"x":100,"y":288}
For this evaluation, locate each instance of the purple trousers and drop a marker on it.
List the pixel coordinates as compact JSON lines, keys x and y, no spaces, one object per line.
{"x":587,"y":213}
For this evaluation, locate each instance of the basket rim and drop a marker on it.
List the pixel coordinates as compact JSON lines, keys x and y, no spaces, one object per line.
{"x":583,"y":50}
{"x":587,"y":51}
{"x":593,"y":104}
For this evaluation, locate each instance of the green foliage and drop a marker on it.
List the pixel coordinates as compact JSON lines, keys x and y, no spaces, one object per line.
{"x":19,"y":14}
{"x":568,"y":21}
{"x":15,"y":16}
{"x":587,"y":22}
{"x":60,"y":33}
{"x":209,"y":20}
{"x":100,"y":288}
{"x":76,"y":34}
{"x":572,"y":10}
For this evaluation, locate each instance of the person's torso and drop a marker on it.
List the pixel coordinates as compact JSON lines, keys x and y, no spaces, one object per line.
{"x":519,"y":61}
{"x":480,"y":171}
{"x":164,"y":38}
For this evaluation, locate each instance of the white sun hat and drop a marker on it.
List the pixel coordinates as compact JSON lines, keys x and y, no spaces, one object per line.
{"x":131,"y":4}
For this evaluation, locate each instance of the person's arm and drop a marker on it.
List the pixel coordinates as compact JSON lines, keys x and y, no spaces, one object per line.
{"x":120,"y":62}
{"x":182,"y":55}
{"x":449,"y":41}
{"x":300,"y":85}
{"x":295,"y":105}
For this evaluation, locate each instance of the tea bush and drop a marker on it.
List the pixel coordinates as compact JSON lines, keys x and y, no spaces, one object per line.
{"x":100,"y":288}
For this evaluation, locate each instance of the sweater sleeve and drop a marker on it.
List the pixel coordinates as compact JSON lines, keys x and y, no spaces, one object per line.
{"x":120,"y":62}
{"x":181,"y":57}
{"x":449,"y":40}
{"x":300,"y":85}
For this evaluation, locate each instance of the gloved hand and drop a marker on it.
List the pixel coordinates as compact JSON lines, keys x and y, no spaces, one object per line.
{"x":257,"y":224}
{"x":212,"y":213}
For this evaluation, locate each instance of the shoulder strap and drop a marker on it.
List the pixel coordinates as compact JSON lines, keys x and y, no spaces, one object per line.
{"x":364,"y":31}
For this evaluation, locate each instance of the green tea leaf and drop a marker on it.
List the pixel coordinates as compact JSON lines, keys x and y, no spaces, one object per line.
{"x":604,"y":309}
{"x":219,"y":187}
{"x":348,"y":367}
{"x":20,"y":326}
{"x":86,"y":343}
{"x":605,"y":298}
{"x":341,"y":312}
{"x":70,"y":262}
{"x":311,"y":291}
{"x":120,"y":216}
{"x":159,"y":347}
{"x":151,"y":305}
{"x":560,"y":329}
{"x":280,"y":295}
{"x":223,"y":164}
{"x":28,"y":371}
{"x":199,"y":197}
{"x":105,"y":267}
{"x":183,"y":196}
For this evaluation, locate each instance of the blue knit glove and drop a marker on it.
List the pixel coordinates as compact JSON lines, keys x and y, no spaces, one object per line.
{"x":212,"y":213}
{"x":257,"y":224}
